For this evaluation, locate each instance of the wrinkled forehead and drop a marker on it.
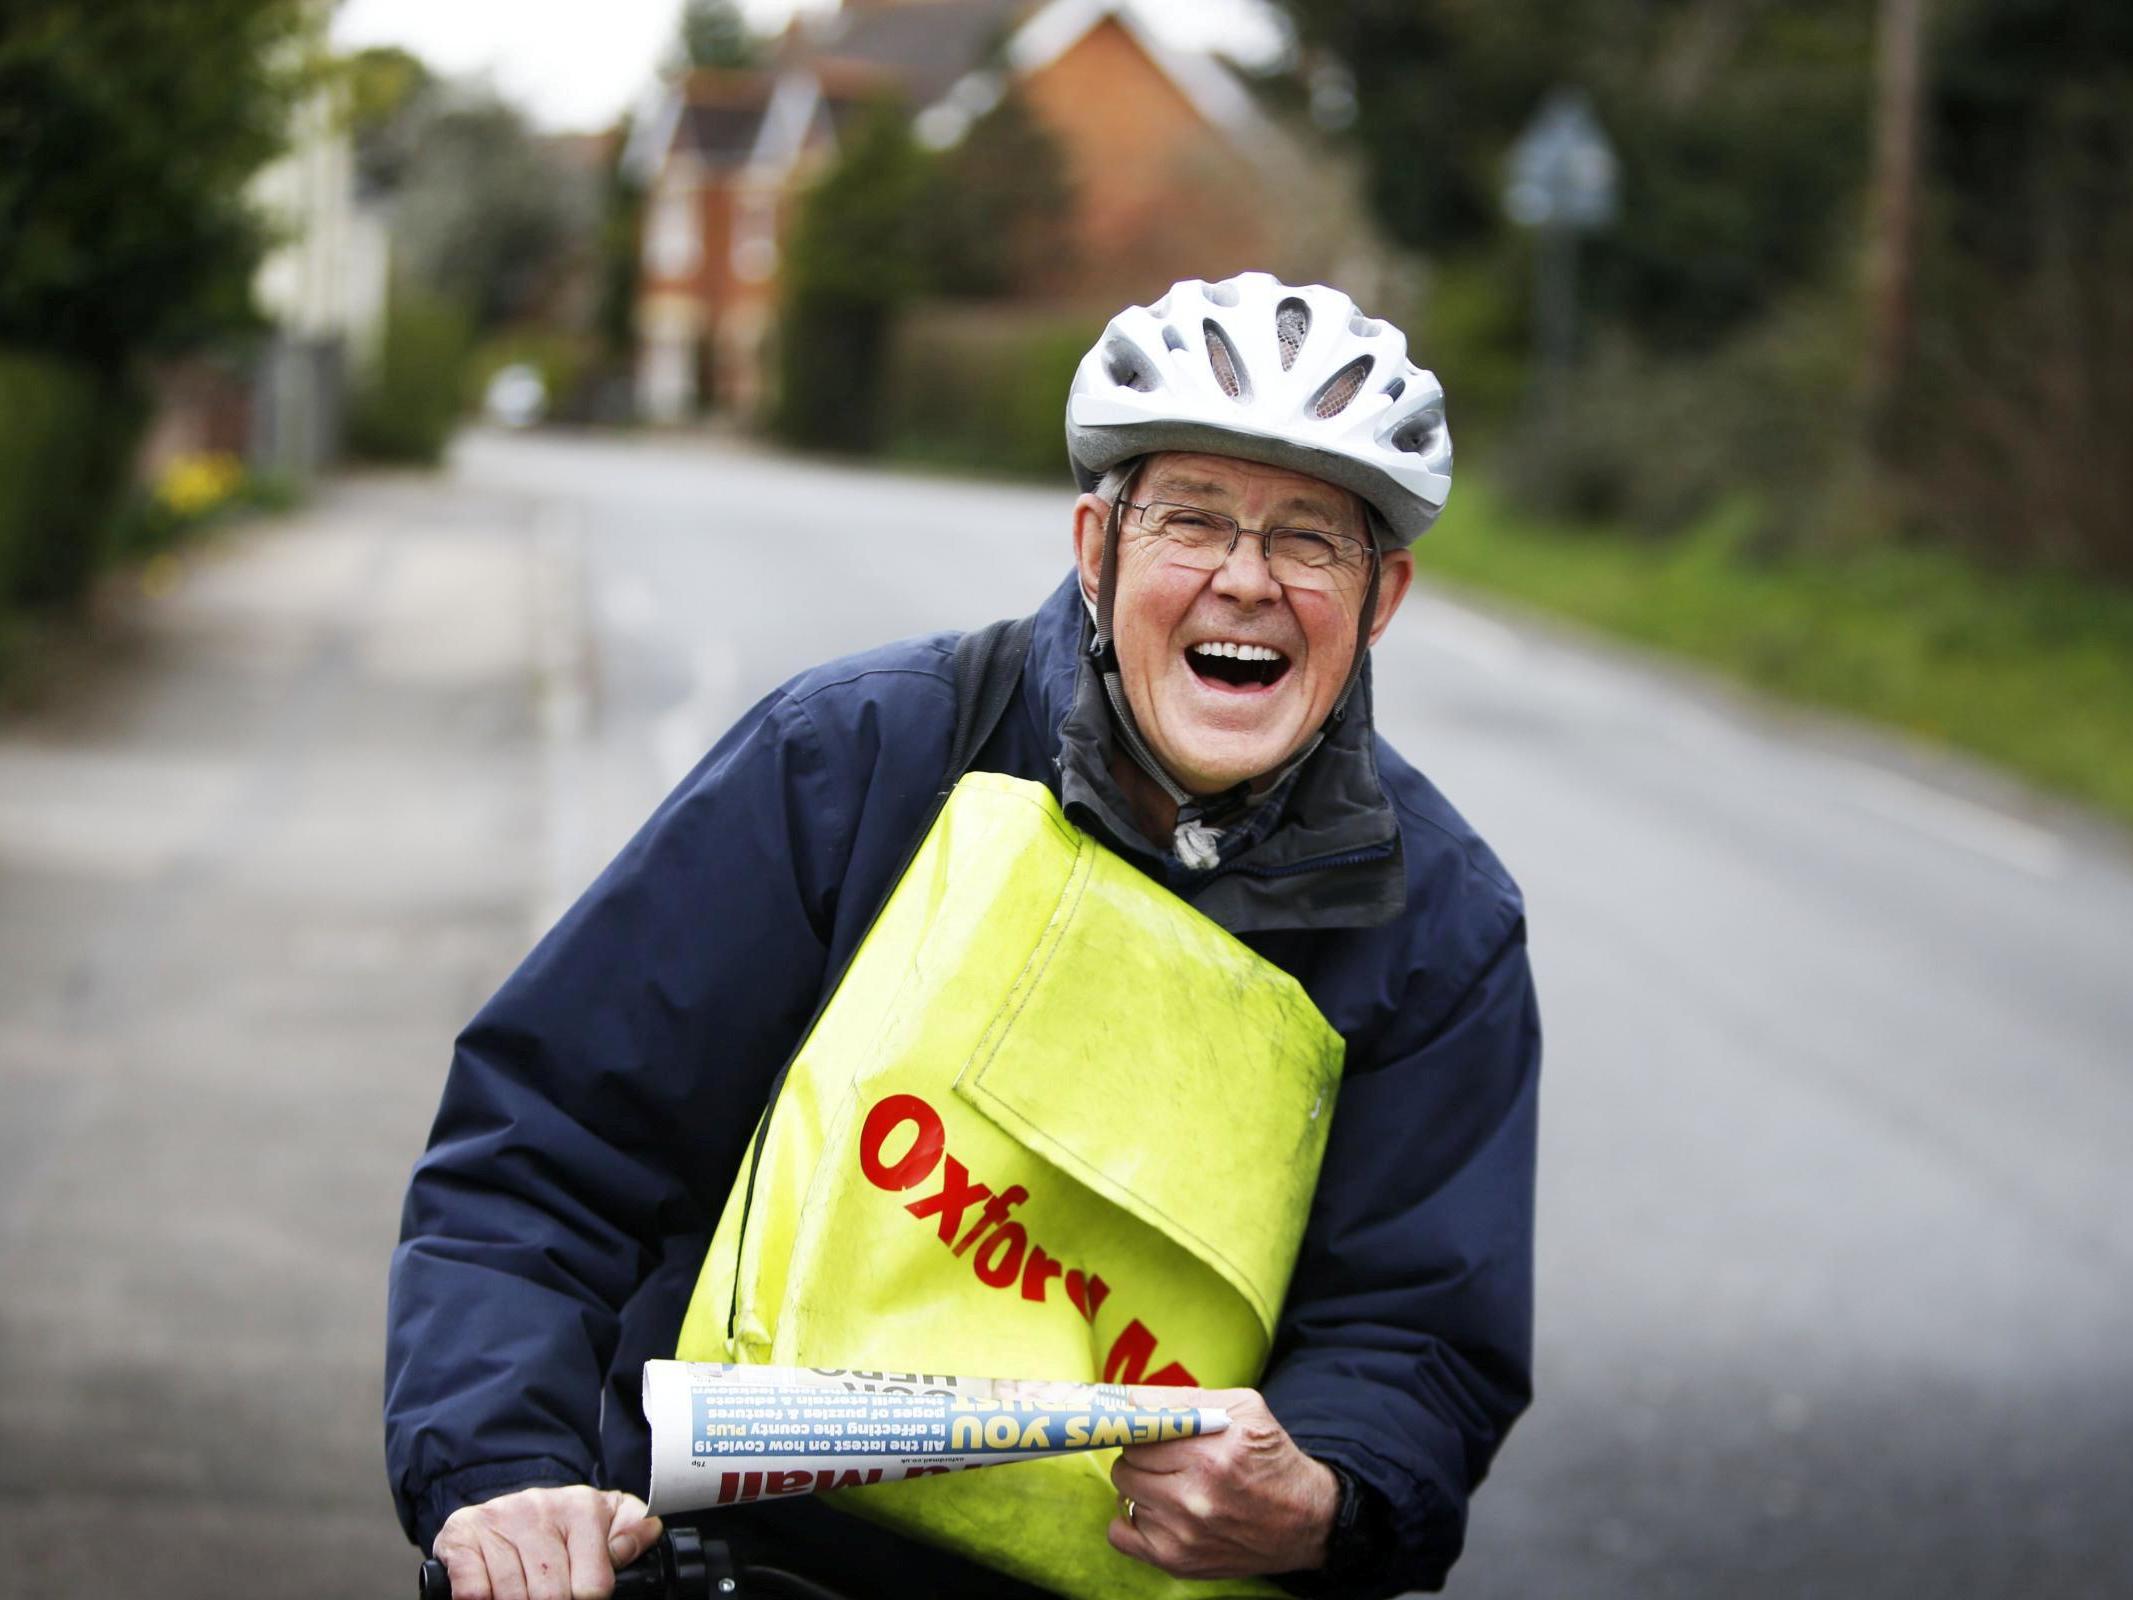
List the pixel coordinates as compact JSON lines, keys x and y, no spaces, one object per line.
{"x":1238,"y":486}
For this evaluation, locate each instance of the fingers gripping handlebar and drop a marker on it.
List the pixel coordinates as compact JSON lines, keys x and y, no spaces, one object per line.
{"x":682,"y":1565}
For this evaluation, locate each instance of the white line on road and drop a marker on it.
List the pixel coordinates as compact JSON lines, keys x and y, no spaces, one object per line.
{"x":565,"y":701}
{"x":1956,"y":821}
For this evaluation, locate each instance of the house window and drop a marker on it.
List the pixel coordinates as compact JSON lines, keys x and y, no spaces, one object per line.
{"x":673,"y":237}
{"x":755,"y":235}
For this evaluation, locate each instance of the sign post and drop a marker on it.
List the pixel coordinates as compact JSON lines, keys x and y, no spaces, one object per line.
{"x":1563,"y":182}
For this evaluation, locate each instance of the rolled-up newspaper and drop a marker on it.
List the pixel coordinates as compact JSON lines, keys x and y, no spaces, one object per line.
{"x":725,"y":1435}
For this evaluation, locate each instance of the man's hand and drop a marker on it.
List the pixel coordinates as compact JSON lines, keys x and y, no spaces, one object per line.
{"x":1235,"y":1504}
{"x":544,"y":1544}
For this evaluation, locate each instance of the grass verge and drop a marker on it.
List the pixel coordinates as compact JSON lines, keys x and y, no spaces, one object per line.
{"x":2031,"y":670}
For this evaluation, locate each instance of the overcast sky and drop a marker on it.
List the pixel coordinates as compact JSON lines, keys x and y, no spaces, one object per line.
{"x":576,"y":64}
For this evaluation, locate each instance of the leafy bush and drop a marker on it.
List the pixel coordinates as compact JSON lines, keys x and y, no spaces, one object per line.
{"x":2013,"y":430}
{"x":2032,"y":669}
{"x":406,"y":404}
{"x":855,"y":257}
{"x":67,"y":438}
{"x":129,"y":130}
{"x":984,"y":389}
{"x":1767,"y":421}
{"x":194,"y":493}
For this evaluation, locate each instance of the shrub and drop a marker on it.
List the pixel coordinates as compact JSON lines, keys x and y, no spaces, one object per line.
{"x":67,"y":440}
{"x":984,"y":389}
{"x":194,"y":492}
{"x":1770,"y":418}
{"x":406,"y":404}
{"x":855,"y":258}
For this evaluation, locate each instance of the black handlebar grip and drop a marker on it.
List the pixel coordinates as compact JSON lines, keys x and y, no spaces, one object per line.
{"x":673,"y":1569}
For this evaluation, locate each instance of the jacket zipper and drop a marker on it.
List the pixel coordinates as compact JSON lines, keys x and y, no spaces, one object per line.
{"x":1352,"y":858}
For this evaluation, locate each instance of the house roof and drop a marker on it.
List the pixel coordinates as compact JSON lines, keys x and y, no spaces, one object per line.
{"x":1049,"y":32}
{"x":950,"y":59}
{"x":923,"y":46}
{"x":721,"y":114}
{"x":1213,"y":90}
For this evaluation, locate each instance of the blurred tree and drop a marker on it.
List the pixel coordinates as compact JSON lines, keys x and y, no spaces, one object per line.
{"x":2015,"y":427}
{"x":1739,"y":126}
{"x":128,"y":131}
{"x":715,"y":34}
{"x":857,"y":254}
{"x":1741,"y":131}
{"x":485,"y":215}
{"x":998,"y":214}
{"x":621,"y":254}
{"x":386,"y":87}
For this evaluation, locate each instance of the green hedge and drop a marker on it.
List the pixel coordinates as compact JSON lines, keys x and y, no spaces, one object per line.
{"x":67,"y":440}
{"x":984,"y":389}
{"x":408,"y":402}
{"x":2030,"y":669}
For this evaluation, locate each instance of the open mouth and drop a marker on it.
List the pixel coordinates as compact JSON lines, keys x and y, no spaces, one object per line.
{"x":1237,"y":666}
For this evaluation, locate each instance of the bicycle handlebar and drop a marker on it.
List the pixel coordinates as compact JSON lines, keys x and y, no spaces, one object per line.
{"x":678,"y":1567}
{"x":682,"y":1565}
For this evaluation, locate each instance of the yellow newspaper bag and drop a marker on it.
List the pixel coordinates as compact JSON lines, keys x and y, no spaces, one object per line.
{"x":1053,"y":1123}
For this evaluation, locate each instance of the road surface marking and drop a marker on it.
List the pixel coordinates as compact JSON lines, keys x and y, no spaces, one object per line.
{"x":1963,"y":823}
{"x":560,"y":658}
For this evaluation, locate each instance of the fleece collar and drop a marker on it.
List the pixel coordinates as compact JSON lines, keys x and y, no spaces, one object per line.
{"x":1322,"y":850}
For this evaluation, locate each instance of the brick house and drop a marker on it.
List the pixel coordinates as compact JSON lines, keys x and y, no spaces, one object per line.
{"x":1173,"y":170}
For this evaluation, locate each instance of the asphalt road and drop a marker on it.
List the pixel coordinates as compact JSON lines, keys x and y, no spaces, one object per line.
{"x":1836,"y":1233}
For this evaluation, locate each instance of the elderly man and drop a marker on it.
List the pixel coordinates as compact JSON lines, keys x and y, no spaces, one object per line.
{"x":1194,"y":699}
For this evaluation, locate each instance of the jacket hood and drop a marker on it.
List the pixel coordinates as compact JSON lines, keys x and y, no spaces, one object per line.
{"x":1322,"y":850}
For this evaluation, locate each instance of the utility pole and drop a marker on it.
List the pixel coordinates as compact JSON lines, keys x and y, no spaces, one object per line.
{"x":1892,"y":258}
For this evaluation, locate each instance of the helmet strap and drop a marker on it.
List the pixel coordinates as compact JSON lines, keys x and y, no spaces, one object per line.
{"x":1362,"y":637}
{"x":1107,"y":570}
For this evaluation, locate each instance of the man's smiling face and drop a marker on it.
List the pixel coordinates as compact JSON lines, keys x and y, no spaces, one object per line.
{"x":1230,"y":672}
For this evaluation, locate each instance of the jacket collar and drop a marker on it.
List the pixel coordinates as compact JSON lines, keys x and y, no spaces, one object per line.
{"x":1321,"y":851}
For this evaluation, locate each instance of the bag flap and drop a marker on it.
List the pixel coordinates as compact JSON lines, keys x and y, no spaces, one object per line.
{"x":1163,"y":1064}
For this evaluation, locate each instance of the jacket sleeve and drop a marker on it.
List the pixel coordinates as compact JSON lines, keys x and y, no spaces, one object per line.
{"x":598,"y":1105}
{"x":1405,"y":1349}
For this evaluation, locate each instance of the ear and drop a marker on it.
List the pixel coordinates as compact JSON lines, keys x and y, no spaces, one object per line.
{"x":1396,"y":575}
{"x":1091,"y":514}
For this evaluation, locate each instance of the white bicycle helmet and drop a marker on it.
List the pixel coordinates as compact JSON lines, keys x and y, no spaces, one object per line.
{"x":1293,"y":377}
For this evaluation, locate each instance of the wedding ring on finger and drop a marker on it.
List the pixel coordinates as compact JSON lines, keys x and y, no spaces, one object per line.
{"x":1126,"y":1500}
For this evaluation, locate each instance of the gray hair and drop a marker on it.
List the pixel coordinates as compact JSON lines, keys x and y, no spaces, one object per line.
{"x":1113,"y":483}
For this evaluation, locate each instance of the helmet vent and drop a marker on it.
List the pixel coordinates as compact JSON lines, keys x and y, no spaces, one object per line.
{"x":1341,"y":388}
{"x":1396,"y":388}
{"x":1419,"y":436}
{"x":1172,"y":339}
{"x":1364,"y":327}
{"x":1292,"y":321}
{"x":1223,"y":294}
{"x":1228,"y":370}
{"x":1127,"y":367}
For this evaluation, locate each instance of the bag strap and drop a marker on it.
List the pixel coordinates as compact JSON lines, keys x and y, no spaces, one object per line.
{"x":988,"y":667}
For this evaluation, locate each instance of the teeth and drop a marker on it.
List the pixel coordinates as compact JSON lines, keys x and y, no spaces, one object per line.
{"x":1242,"y":652}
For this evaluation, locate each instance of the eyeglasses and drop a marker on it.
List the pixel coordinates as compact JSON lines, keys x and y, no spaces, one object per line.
{"x":1298,"y":558}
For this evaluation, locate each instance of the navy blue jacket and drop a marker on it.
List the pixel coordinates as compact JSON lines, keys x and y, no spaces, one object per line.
{"x":598,"y":1107}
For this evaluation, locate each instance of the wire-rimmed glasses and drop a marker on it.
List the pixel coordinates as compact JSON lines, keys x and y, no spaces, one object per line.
{"x":1299,"y":558}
